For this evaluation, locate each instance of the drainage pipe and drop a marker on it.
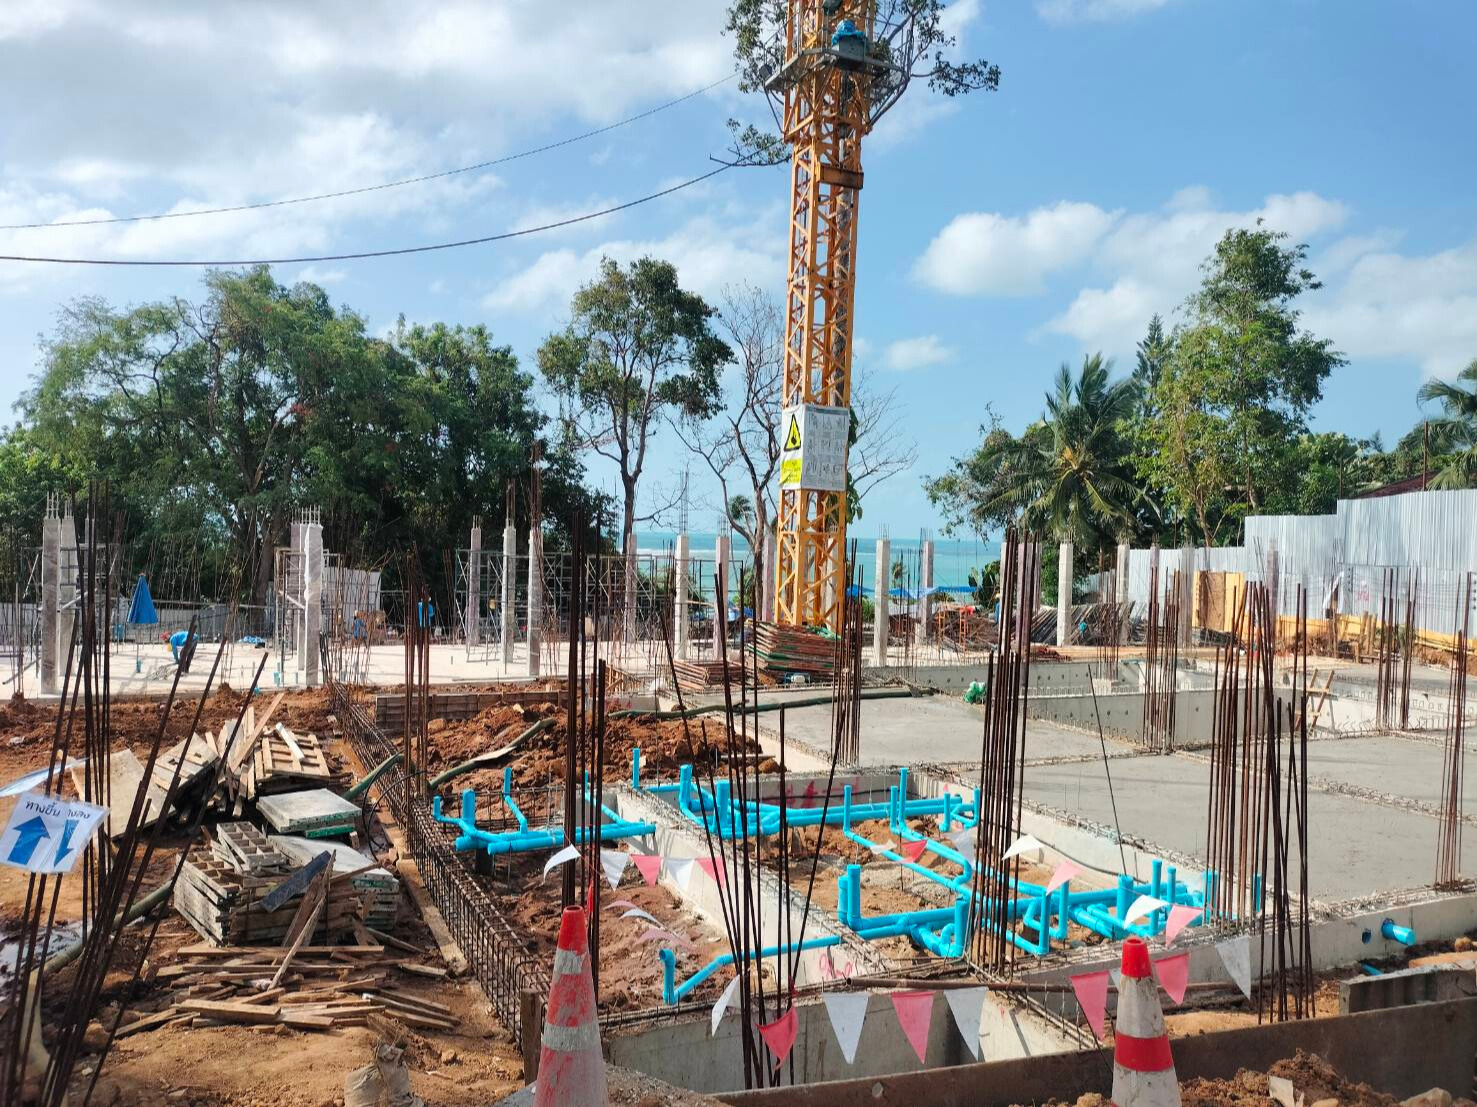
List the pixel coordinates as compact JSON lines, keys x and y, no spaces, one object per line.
{"x":672,"y":992}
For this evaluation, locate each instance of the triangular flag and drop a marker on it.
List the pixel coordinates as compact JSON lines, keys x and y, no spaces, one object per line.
{"x":714,"y":870}
{"x":966,"y":1004}
{"x":1180,"y":916}
{"x":614,"y":862}
{"x":1064,"y":872}
{"x":637,"y":913}
{"x":660,"y":934}
{"x":1280,"y":1088}
{"x":1023,"y":844}
{"x":649,"y":865}
{"x":913,"y":850}
{"x":963,"y":840}
{"x":848,"y":1011}
{"x":1092,"y":997}
{"x":617,"y":904}
{"x":725,"y":1001}
{"x":881,"y":847}
{"x":914,"y":1009}
{"x":1174,"y":975}
{"x":1116,"y":976}
{"x":780,"y":1035}
{"x":563,"y":857}
{"x":1144,"y":905}
{"x":680,"y":870}
{"x":1236,"y":954}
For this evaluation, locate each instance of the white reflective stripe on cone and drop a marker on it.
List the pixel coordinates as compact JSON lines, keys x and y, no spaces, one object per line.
{"x":571,"y":1039}
{"x":567,"y":961}
{"x":1145,"y":1089}
{"x":1139,"y":1013}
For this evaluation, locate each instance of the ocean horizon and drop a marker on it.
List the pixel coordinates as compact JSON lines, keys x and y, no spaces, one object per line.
{"x":953,"y":558}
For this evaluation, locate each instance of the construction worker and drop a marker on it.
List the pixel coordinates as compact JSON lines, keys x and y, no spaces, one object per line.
{"x":182,"y":645}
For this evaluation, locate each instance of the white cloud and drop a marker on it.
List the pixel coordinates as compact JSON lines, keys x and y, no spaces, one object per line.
{"x":312,"y":274}
{"x":916,"y":353}
{"x":1093,"y":11}
{"x":985,"y":253}
{"x":1152,"y":259}
{"x":710,"y":254}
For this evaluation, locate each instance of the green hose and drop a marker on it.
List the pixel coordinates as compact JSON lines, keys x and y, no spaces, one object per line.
{"x":771,"y":705}
{"x":482,"y":759}
{"x":374,"y":774}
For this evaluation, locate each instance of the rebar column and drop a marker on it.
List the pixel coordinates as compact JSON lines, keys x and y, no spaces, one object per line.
{"x":925,"y":602}
{"x":474,"y":583}
{"x":1064,"y":594}
{"x":1121,"y":569}
{"x":51,"y":548}
{"x":881,"y":583}
{"x":308,"y":661}
{"x":768,"y":581}
{"x":510,"y":592}
{"x":535,"y":595}
{"x":1187,"y":593}
{"x":679,"y":613}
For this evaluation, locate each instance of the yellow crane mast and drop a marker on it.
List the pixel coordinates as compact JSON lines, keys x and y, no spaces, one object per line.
{"x":826,"y":80}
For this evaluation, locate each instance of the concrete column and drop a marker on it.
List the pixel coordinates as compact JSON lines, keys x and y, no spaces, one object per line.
{"x":308,"y":658}
{"x":510,"y":593}
{"x":721,"y":550}
{"x":1187,"y":593}
{"x":1155,"y":584}
{"x":535,"y":596}
{"x":69,"y":566}
{"x":882,"y":584}
{"x":51,"y":661}
{"x":1120,"y":585}
{"x":771,"y":581}
{"x":925,"y":602}
{"x":628,"y":569}
{"x":1271,"y":567}
{"x":679,"y":605}
{"x":1064,"y":594}
{"x":474,"y":584}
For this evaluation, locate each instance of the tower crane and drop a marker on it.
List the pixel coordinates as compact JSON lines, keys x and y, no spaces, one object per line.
{"x":843,"y":66}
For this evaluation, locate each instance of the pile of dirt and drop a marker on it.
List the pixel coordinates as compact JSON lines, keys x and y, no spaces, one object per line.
{"x":665,"y":743}
{"x":1312,"y":1078}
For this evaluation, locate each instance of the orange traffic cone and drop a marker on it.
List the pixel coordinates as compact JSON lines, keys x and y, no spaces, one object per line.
{"x":571,"y":1071}
{"x":1143,"y":1070}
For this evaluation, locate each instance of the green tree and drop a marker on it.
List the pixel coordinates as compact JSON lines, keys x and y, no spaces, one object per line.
{"x":638,"y":346}
{"x":1233,"y":395}
{"x":1068,"y":477}
{"x":1453,"y":435}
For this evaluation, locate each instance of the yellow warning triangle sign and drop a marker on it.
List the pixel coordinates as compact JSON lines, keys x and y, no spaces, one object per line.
{"x":792,"y":436}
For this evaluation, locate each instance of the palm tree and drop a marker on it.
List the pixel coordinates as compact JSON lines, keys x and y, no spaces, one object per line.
{"x":1070,"y":475}
{"x":1455,"y":433}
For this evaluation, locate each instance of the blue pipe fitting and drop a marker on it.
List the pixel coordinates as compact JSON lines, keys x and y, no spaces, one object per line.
{"x":1392,"y":931}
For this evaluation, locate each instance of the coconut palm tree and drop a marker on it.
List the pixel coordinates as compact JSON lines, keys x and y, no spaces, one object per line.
{"x":1070,"y":476}
{"x":1455,"y":433}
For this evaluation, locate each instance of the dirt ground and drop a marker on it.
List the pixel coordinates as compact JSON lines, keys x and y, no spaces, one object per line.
{"x":665,"y":745}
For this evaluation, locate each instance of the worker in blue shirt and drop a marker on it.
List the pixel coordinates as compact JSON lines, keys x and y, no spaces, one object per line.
{"x":183,"y":642}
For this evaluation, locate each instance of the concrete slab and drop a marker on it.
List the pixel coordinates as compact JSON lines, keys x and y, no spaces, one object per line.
{"x":1398,"y":766}
{"x":929,"y":730}
{"x":1356,"y":847}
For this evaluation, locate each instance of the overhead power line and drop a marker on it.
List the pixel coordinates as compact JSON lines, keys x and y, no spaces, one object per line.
{"x":374,"y":187}
{"x":377,"y":253}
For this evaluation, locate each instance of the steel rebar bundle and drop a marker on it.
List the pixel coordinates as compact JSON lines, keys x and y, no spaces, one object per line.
{"x":1449,"y":836}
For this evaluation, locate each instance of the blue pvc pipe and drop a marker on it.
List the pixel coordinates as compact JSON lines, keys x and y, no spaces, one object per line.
{"x":673,"y":993}
{"x":1392,"y":931}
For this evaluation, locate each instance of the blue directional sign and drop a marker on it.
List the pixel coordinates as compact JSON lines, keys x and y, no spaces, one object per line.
{"x":46,"y":834}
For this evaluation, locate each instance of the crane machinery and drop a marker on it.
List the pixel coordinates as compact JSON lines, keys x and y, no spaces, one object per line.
{"x":838,"y":76}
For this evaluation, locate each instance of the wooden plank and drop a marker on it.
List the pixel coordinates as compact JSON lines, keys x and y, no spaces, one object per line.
{"x":231,"y":1012}
{"x":203,"y":949}
{"x":296,"y":882}
{"x":148,"y":1022}
{"x":300,"y":1020}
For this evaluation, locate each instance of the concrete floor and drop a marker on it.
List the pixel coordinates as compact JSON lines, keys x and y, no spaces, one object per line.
{"x":1356,"y":847}
{"x":1399,"y":766}
{"x":925,"y":730}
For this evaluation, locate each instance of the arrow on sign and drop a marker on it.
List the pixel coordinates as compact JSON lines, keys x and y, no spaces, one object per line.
{"x":28,"y":836}
{"x":64,"y":844}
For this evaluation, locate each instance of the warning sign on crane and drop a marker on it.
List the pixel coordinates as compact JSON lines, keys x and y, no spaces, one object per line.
{"x":813,"y":451}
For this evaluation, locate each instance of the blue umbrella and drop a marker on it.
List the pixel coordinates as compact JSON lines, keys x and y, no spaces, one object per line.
{"x":142,"y":609}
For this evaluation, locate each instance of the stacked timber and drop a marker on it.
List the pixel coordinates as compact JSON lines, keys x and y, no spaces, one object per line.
{"x":784,"y":650}
{"x":226,"y":906}
{"x":377,"y":888}
{"x":694,"y":676}
{"x":304,"y":987}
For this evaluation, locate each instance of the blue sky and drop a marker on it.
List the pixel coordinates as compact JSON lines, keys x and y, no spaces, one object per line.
{"x":1001,"y":234}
